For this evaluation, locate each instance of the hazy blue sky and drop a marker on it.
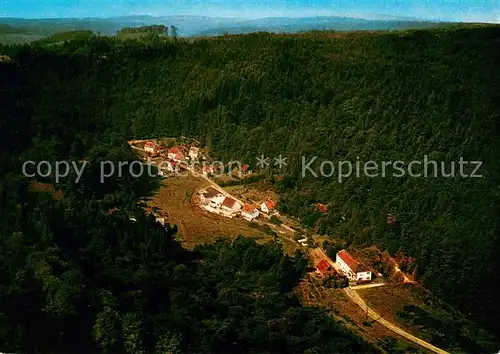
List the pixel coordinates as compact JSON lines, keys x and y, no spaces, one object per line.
{"x":447,"y":10}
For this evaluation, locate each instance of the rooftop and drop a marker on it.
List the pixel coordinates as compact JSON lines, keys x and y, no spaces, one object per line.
{"x":248,"y":208}
{"x":322,"y":266}
{"x":351,"y":262}
{"x":270,"y":204}
{"x":229,"y":202}
{"x":211,"y":192}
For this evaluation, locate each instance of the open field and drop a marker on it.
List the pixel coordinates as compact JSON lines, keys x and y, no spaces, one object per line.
{"x":353,"y":317}
{"x":196,"y":226}
{"x":418,"y":312}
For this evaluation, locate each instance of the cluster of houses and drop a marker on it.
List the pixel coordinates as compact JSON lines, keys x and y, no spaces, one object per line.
{"x":350,"y":268}
{"x":215,"y":201}
{"x":176,"y":155}
{"x":172,"y":156}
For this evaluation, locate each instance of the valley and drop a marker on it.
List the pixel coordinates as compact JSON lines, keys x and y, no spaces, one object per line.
{"x":251,"y":261}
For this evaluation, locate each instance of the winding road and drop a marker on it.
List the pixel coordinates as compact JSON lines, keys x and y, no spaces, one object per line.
{"x":351,"y":294}
{"x":349,"y":291}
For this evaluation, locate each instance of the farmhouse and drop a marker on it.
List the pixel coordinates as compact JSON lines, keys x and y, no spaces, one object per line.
{"x":230,"y":205}
{"x":351,"y":268}
{"x":193,"y":153}
{"x":211,"y":195}
{"x":268,"y":206}
{"x":150,"y":146}
{"x":249,"y":212}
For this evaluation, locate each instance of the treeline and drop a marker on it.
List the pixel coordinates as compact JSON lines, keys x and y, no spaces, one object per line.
{"x":153,"y":29}
{"x":84,"y":270}
{"x":355,"y":96}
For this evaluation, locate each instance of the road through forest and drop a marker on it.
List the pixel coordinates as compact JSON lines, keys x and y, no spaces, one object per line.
{"x":350,"y":292}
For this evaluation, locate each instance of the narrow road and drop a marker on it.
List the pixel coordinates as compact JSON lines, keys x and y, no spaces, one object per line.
{"x":212,"y":183}
{"x":367,"y":286}
{"x":351,"y":293}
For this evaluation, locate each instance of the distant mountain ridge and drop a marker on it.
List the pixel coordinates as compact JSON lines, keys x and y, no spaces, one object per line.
{"x":203,"y":25}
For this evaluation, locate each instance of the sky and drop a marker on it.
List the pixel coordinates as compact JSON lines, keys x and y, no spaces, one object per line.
{"x":442,"y":10}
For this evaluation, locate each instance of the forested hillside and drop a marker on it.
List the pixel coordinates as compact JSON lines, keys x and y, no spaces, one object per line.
{"x":376,"y":96}
{"x":79,"y":275}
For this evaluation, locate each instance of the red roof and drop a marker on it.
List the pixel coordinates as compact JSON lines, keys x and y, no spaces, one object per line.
{"x":270,"y":204}
{"x":346,"y":257}
{"x":323,"y":266}
{"x":208,"y":168}
{"x":351,"y":262}
{"x":247,"y":208}
{"x":150,"y":144}
{"x":244,"y":168}
{"x":112,"y":211}
{"x":173,"y":163}
{"x":179,"y":156}
{"x":229,"y":202}
{"x":321,"y":207}
{"x":173,"y":151}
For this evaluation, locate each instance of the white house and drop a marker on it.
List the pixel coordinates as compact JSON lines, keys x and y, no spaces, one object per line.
{"x":268,"y":206}
{"x":171,"y":165}
{"x":212,"y":195}
{"x":216,"y":202}
{"x":230,"y":206}
{"x":175,"y":154}
{"x":150,"y":146}
{"x":193,"y":153}
{"x":249,"y":212}
{"x":351,"y":268}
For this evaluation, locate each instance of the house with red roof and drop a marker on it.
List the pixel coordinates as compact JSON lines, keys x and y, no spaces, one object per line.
{"x":150,"y":146}
{"x":175,"y":154}
{"x":323,"y":266}
{"x":351,"y":268}
{"x":322,"y":208}
{"x":230,"y":206}
{"x":268,"y":206}
{"x":249,"y":212}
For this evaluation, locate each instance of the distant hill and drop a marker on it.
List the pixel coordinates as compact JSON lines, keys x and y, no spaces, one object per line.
{"x":201,"y":25}
{"x":294,"y":25}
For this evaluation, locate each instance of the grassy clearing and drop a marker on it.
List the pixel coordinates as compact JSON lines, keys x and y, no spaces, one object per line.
{"x":353,"y":317}
{"x":196,"y":226}
{"x":418,"y":312}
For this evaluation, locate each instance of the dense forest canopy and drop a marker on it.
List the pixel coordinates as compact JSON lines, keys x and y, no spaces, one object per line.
{"x":84,"y":270}
{"x":156,"y":29}
{"x":376,"y":96}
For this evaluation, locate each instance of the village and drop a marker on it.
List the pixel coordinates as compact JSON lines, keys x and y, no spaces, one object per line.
{"x":174,"y":156}
{"x":348,"y":281}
